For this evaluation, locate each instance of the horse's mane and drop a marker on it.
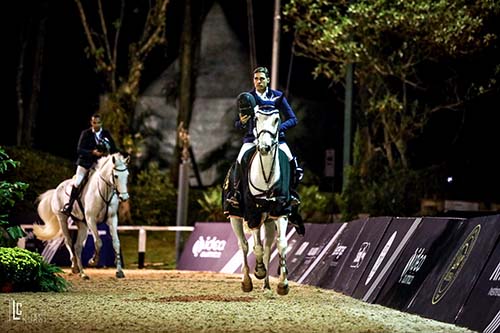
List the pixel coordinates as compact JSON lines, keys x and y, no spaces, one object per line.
{"x":103,"y":160}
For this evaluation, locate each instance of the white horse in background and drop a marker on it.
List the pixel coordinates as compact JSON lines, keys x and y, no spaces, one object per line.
{"x":263,"y":174}
{"x":97,"y":202}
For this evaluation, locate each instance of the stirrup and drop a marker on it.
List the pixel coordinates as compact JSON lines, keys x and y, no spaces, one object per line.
{"x":300,"y":173}
{"x":234,"y":200}
{"x":67,"y":209}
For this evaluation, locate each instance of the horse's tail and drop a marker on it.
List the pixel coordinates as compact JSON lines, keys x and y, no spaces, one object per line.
{"x":51,"y":228}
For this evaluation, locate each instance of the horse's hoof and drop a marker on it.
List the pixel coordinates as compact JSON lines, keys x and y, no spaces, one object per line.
{"x":119,"y":274}
{"x":85,"y":276}
{"x":260,"y":275}
{"x":283,"y":289}
{"x":92,"y":263}
{"x":246,"y":284}
{"x":247,"y":287}
{"x":75,"y":270}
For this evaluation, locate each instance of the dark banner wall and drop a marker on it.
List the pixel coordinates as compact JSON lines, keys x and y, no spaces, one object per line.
{"x":450,"y":282}
{"x":385,"y":257}
{"x":349,"y":274}
{"x":310,"y":247}
{"x":211,"y":247}
{"x":433,"y":239}
{"x":325,"y":242}
{"x":481,"y":312}
{"x":335,"y":253}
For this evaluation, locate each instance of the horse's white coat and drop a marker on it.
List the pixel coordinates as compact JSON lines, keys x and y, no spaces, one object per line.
{"x":100,"y":197}
{"x":264,"y":173}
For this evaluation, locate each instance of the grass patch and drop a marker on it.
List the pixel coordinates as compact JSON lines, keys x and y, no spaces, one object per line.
{"x":160,"y":249}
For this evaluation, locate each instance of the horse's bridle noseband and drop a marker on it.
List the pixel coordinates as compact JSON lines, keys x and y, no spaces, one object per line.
{"x":112,"y":184}
{"x":274,"y":143}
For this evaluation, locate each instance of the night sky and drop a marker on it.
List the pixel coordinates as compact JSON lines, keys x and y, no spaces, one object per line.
{"x":467,"y":143}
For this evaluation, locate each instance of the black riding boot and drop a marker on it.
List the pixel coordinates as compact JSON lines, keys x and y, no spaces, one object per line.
{"x":296,"y":175}
{"x":68,"y":207}
{"x":234,"y":195}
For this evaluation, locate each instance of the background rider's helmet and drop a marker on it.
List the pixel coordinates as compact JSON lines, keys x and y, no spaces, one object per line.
{"x":246,"y":104}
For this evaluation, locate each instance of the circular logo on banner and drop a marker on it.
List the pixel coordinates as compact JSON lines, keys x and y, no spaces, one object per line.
{"x":456,"y":265}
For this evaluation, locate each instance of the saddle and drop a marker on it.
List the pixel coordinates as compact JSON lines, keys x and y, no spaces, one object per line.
{"x":275,"y":201}
{"x":78,"y":200}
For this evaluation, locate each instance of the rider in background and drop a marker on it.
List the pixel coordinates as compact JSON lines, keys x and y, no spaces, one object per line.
{"x":262,"y":96}
{"x":94,"y":143}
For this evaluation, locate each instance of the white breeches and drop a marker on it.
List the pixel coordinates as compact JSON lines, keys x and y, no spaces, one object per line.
{"x":80,"y":174}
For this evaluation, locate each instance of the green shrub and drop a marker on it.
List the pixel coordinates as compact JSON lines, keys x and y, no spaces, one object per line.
{"x":41,"y":170}
{"x":313,"y":202}
{"x":210,"y":205}
{"x":153,"y":198}
{"x":10,"y":194}
{"x":27,"y":271}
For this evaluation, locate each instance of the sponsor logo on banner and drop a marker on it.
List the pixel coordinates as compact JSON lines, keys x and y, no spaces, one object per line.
{"x":337,"y":254}
{"x":360,"y":256}
{"x":456,"y":265}
{"x":413,"y":266}
{"x":495,"y":277}
{"x":211,"y":247}
{"x":381,"y":257}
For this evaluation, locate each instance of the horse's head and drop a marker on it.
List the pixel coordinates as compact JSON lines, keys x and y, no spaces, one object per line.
{"x":267,"y":123}
{"x":120,"y":175}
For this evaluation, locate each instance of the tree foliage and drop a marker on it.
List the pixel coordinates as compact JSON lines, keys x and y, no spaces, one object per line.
{"x":405,"y":54}
{"x":120,"y":59}
{"x":389,"y":42}
{"x":10,"y":193}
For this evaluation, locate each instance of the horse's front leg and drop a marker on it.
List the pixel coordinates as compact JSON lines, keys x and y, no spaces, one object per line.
{"x":268,"y":243}
{"x":281,"y":224}
{"x":260,"y":269}
{"x":92,"y":225}
{"x":80,"y":239}
{"x":237,"y":225}
{"x":113,"y":230}
{"x":63,"y":222}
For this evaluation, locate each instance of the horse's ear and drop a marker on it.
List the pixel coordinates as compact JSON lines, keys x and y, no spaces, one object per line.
{"x":127,"y":159}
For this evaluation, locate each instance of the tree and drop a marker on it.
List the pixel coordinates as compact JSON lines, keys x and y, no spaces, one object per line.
{"x":390,"y":43}
{"x":119,"y":60}
{"x":31,"y":62}
{"x":394,"y":45}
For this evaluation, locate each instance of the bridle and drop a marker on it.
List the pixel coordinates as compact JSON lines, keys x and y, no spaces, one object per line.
{"x":111,"y":185}
{"x":268,"y":177}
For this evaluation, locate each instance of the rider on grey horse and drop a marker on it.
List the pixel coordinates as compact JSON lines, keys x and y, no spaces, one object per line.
{"x":264,"y":97}
{"x":94,"y":143}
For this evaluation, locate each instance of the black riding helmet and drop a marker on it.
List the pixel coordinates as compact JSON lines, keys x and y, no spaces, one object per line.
{"x":246,"y":104}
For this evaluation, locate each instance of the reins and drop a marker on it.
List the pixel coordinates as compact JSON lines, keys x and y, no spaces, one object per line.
{"x":267,"y":178}
{"x":104,"y":190}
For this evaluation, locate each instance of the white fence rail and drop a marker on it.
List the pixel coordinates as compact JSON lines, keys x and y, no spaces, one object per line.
{"x":141,"y":241}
